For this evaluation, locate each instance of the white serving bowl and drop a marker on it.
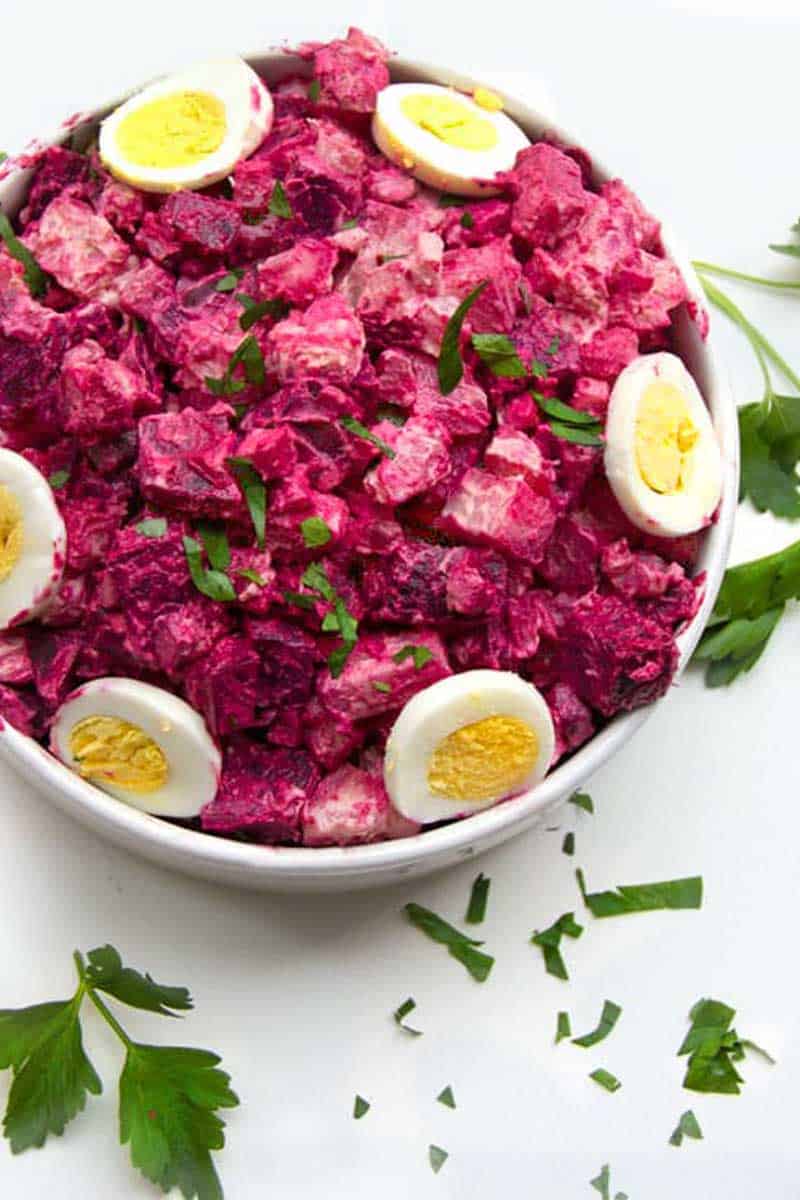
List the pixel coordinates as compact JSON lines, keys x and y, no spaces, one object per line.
{"x":278,"y":868}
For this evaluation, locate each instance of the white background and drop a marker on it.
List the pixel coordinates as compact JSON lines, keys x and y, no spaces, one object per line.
{"x":696,"y":106}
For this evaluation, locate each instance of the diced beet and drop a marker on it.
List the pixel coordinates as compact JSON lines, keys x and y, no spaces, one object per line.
{"x":500,"y":512}
{"x":298,"y":275}
{"x":330,"y":741}
{"x":179,"y":634}
{"x":513,"y":453}
{"x":353,"y":694}
{"x":409,"y":380}
{"x":204,"y":222}
{"x":409,"y":586}
{"x":15,"y":662}
{"x":476,"y":581}
{"x":57,"y":170}
{"x":620,"y":197}
{"x":287,"y":656}
{"x":570,"y":563}
{"x":273,"y":452}
{"x":327,"y":340}
{"x":420,"y":461}
{"x":121,"y":205}
{"x":101,"y":397}
{"x":52,"y":657}
{"x":591,"y":396}
{"x":80,"y":249}
{"x":226,"y":686}
{"x":92,"y":516}
{"x":637,"y":575}
{"x":572,"y":719}
{"x":390,"y":185}
{"x":351,"y":71}
{"x":549,"y":198}
{"x":182,"y":463}
{"x":23,"y":710}
{"x":608,"y":351}
{"x":261,"y":793}
{"x":464,"y":269}
{"x":348,"y":808}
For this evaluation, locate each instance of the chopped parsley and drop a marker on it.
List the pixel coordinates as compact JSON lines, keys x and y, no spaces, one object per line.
{"x":568,"y":423}
{"x":360,"y":1107}
{"x":381,"y":686}
{"x":643,"y":897}
{"x":549,"y":942}
{"x":215,"y":544}
{"x":58,"y":480}
{"x":251,"y":575}
{"x":462,"y":948}
{"x":467,"y":220}
{"x":563,"y":1027}
{"x":446,"y":200}
{"x":605,"y":1079}
{"x":314,"y":89}
{"x":279,"y":205}
{"x":211,"y":582}
{"x":229,"y":281}
{"x":688,"y":1126}
{"x":153,"y":527}
{"x":437,"y":1157}
{"x":568,"y":845}
{"x":450,"y":366}
{"x":400,"y":1015}
{"x":247,"y":355}
{"x":351,"y":223}
{"x":256,"y":310}
{"x":339,"y":621}
{"x":602,"y":1184}
{"x":315,"y":531}
{"x":420,"y":655}
{"x":446,"y":1097}
{"x":35,"y":278}
{"x":499,"y":354}
{"x":476,"y":910}
{"x":582,"y":800}
{"x":608,"y":1019}
{"x":360,"y":430}
{"x":3,"y":157}
{"x":713,"y":1047}
{"x":255,"y":495}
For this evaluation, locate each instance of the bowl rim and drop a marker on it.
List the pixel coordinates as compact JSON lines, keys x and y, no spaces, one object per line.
{"x":158,"y":838}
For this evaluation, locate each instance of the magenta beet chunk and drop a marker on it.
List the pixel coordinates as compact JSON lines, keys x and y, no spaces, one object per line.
{"x":503,"y":513}
{"x":287,"y":656}
{"x":549,"y":197}
{"x":353,"y":695}
{"x":182,"y":463}
{"x":226,"y":685}
{"x":15,"y":662}
{"x":204,"y":222}
{"x":56,"y":170}
{"x":23,"y":710}
{"x":348,"y":808}
{"x":352,"y":71}
{"x":52,"y":657}
{"x":572,"y":719}
{"x":261,"y":793}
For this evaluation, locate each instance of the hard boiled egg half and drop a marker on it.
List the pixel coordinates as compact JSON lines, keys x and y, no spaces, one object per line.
{"x":662,"y":458}
{"x":465,"y":743}
{"x":448,"y":140}
{"x":141,"y":744}
{"x":188,"y":130}
{"x":33,"y":541}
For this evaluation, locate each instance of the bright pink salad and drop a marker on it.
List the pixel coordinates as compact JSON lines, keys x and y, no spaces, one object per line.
{"x":443,"y":531}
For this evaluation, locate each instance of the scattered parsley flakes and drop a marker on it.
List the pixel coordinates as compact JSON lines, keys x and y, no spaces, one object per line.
{"x":314,"y":89}
{"x":643,"y":897}
{"x":247,"y":355}
{"x":420,"y":655}
{"x":251,"y":575}
{"x":35,"y":278}
{"x":381,"y":686}
{"x":446,"y":200}
{"x":563,"y":1027}
{"x":499,"y":354}
{"x":713,"y":1047}
{"x":229,"y":281}
{"x":340,"y":621}
{"x":476,"y":910}
{"x":602,"y":1184}
{"x":215,"y":544}
{"x":688,"y":1126}
{"x":605,"y":1079}
{"x":256,"y":310}
{"x":255,"y":494}
{"x":450,"y":366}
{"x":582,"y":800}
{"x":212,"y":583}
{"x":608,"y":1019}
{"x":568,"y":423}
{"x":446,"y":1097}
{"x":568,"y":845}
{"x":58,"y":479}
{"x":351,"y":223}
{"x":467,"y":220}
{"x":549,"y":941}
{"x":360,"y":1107}
{"x":401,"y":1013}
{"x":459,"y":946}
{"x":315,"y":531}
{"x":279,"y":205}
{"x":437,"y":1157}
{"x":360,"y":430}
{"x":153,"y":527}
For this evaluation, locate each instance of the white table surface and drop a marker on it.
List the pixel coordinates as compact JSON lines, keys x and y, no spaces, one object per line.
{"x":695,"y":105}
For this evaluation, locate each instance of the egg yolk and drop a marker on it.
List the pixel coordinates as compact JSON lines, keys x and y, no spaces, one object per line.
{"x":114,"y":751}
{"x":484,"y":760}
{"x":173,"y":131}
{"x":12,"y":532}
{"x":488,"y":100}
{"x":450,"y":120}
{"x":665,"y":437}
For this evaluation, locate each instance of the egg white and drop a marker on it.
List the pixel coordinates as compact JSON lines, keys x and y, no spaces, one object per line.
{"x":439,"y":710}
{"x":666,"y":514}
{"x":36,"y":576}
{"x":248,"y":112}
{"x":432,"y":161}
{"x":193,"y":759}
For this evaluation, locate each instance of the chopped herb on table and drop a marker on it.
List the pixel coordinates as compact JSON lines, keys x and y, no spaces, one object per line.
{"x":461,"y":947}
{"x":688,"y":1126}
{"x":605,"y":1079}
{"x":549,"y":941}
{"x":582,"y":800}
{"x":446,"y":1097}
{"x":279,"y":205}
{"x":563,"y":1027}
{"x":608,"y":1019}
{"x":211,"y":581}
{"x":602,"y":1184}
{"x":713,"y":1047}
{"x":437,"y":1157}
{"x":400,"y":1015}
{"x":315,"y":531}
{"x":568,"y":845}
{"x":476,"y":910}
{"x":643,"y":897}
{"x":360,"y":1107}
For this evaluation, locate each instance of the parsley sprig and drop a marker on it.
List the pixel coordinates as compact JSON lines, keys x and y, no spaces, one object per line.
{"x":340,"y":621}
{"x":168,"y":1095}
{"x":713,"y":1047}
{"x":35,"y":278}
{"x":247,"y":355}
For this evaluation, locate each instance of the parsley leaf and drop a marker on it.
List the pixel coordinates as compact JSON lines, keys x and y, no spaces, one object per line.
{"x":229,"y":281}
{"x":467,"y":220}
{"x":279,"y":204}
{"x":713,"y":1047}
{"x":255,"y":310}
{"x":255,"y":494}
{"x":315,"y":531}
{"x":420,"y":655}
{"x":582,"y":800}
{"x":446,"y":200}
{"x":688,"y":1126}
{"x":605,"y":1079}
{"x":437,"y":1157}
{"x":643,"y":897}
{"x":572,"y":433}
{"x":315,"y":578}
{"x":736,"y":646}
{"x":549,"y":941}
{"x":360,"y":1107}
{"x":476,"y":910}
{"x":568,"y":423}
{"x":153,"y":527}
{"x":314,"y":89}
{"x":248,"y":355}
{"x":58,"y":480}
{"x":499,"y":354}
{"x":106,"y":973}
{"x":460,"y":946}
{"x":769,"y":458}
{"x":563,"y":1027}
{"x":35,"y":278}
{"x":215,"y":544}
{"x":401,"y":1013}
{"x":602,"y":1184}
{"x":446,"y":1097}
{"x":568,"y":845}
{"x":251,"y":575}
{"x":212,"y":583}
{"x":450,"y":366}
{"x":608,"y":1019}
{"x":356,"y":427}
{"x":381,"y":686}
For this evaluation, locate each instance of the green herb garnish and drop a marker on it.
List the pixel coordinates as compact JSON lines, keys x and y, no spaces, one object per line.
{"x":314,"y":89}
{"x":568,"y":845}
{"x":420,"y":655}
{"x":279,"y":205}
{"x":476,"y":910}
{"x":563,"y":1027}
{"x":351,"y":223}
{"x":35,"y":278}
{"x":58,"y":480}
{"x":499,"y":354}
{"x":248,"y":355}
{"x":315,"y":531}
{"x":153,"y":527}
{"x":400,"y":1015}
{"x":446,"y":1097}
{"x":688,"y":1126}
{"x":608,"y":1019}
{"x":446,"y":200}
{"x":256,"y":310}
{"x":340,"y":621}
{"x":450,"y":365}
{"x":215,"y":544}
{"x":713,"y":1047}
{"x":582,"y":800}
{"x":360,"y":1107}
{"x":3,"y":156}
{"x":460,"y":946}
{"x":437,"y":1157}
{"x":380,"y":686}
{"x":229,"y":281}
{"x":168,"y":1095}
{"x":255,"y":494}
{"x":467,"y":220}
{"x":643,"y":897}
{"x":549,"y":941}
{"x":211,"y":582}
{"x":253,"y":576}
{"x":602,"y":1184}
{"x":356,"y":427}
{"x":605,"y":1079}
{"x":568,"y":423}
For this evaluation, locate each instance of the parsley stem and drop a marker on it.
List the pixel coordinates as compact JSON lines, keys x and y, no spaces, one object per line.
{"x":86,"y":989}
{"x":757,"y":340}
{"x":790,"y":285}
